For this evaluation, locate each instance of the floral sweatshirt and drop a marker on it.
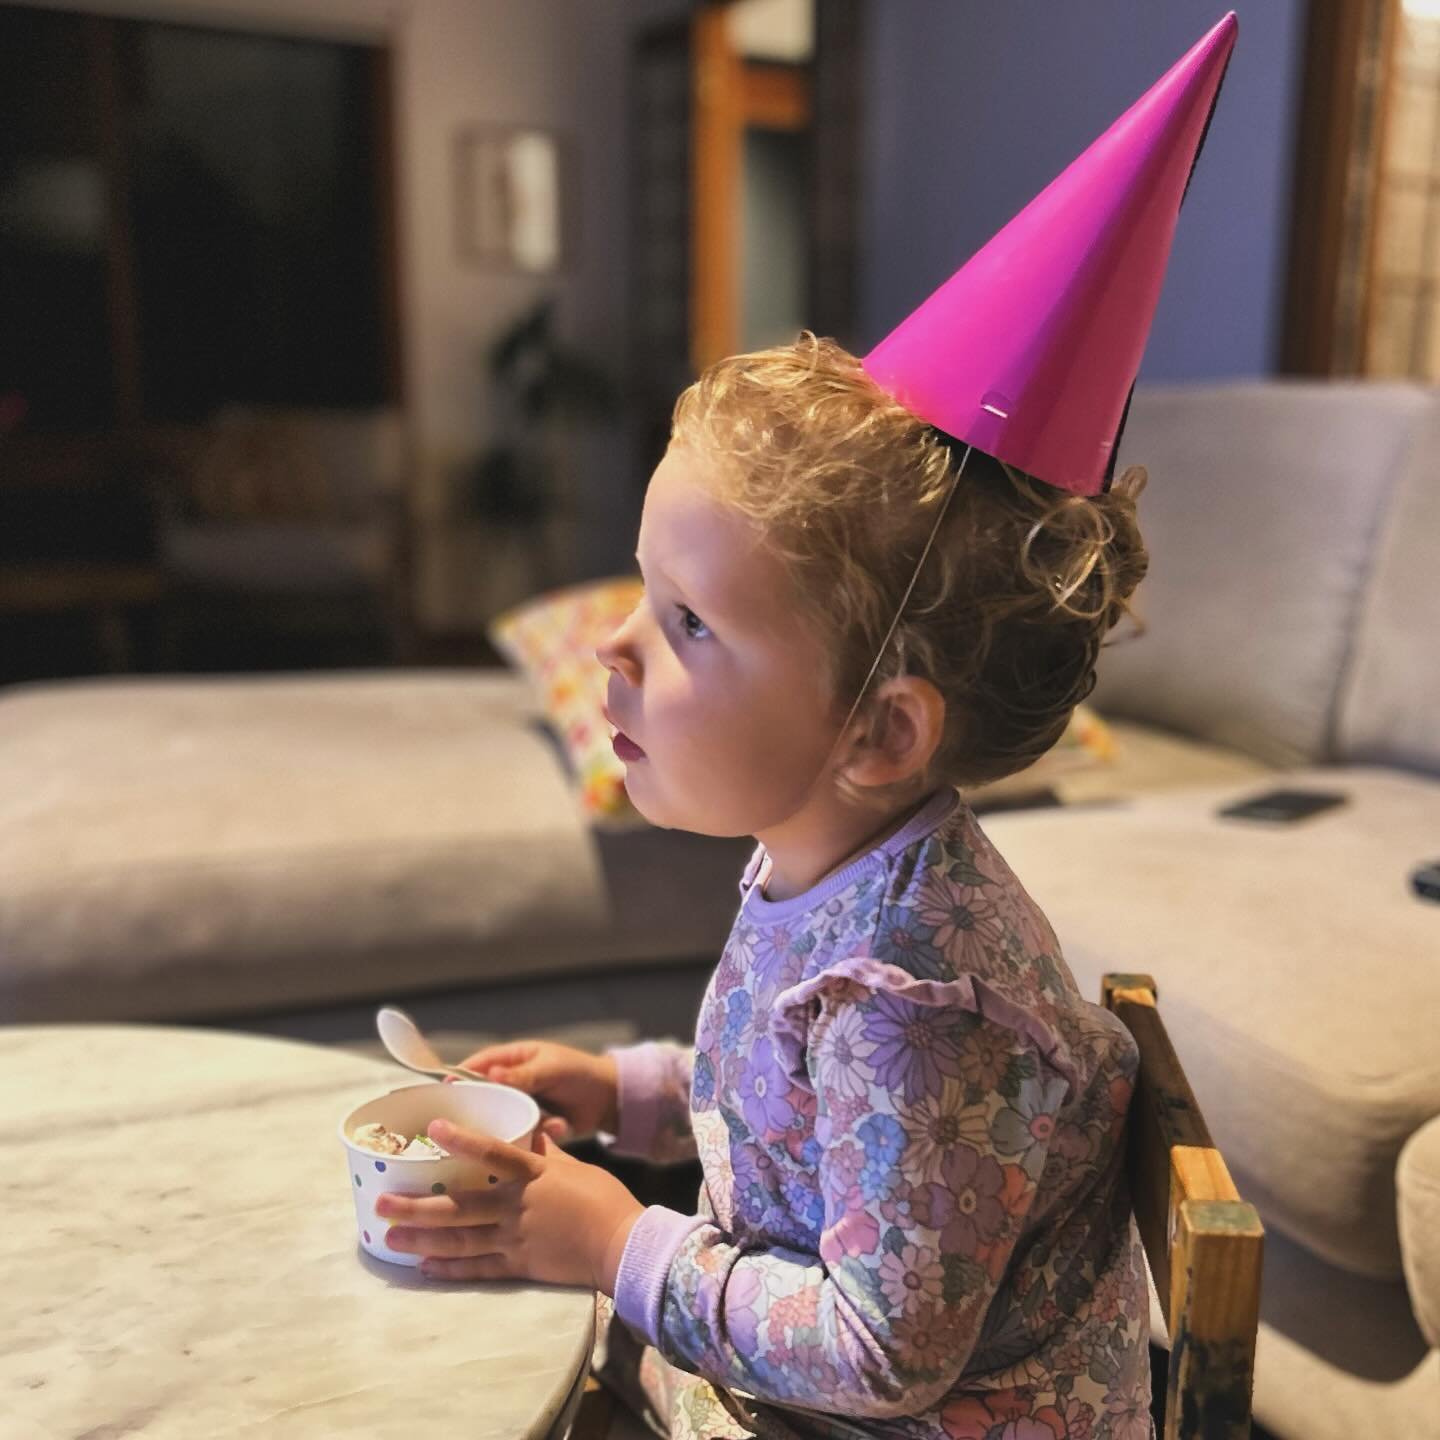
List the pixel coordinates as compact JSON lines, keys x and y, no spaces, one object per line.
{"x":914,"y":1220}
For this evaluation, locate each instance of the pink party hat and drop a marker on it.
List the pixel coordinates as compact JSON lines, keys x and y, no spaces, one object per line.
{"x":1030,"y":351}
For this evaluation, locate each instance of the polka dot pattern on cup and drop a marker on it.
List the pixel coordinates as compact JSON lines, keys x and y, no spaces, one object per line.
{"x":437,"y":1188}
{"x":380,"y":1165}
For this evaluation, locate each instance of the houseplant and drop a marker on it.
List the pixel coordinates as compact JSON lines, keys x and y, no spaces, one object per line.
{"x":539,"y":387}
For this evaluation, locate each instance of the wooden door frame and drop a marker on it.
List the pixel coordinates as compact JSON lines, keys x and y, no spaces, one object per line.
{"x":1339,"y":137}
{"x":728,"y":93}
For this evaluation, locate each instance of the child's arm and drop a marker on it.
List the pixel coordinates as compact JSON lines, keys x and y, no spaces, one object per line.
{"x":922,"y":1192}
{"x":653,"y":1101}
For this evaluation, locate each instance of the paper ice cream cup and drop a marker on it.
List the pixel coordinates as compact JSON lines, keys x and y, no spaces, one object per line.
{"x":498,"y":1110}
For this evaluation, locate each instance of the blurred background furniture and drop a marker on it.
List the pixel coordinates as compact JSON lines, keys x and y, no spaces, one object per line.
{"x":200,"y":349}
{"x":263,"y":538}
{"x":108,"y":594}
{"x":80,"y":574}
{"x":283,"y":526}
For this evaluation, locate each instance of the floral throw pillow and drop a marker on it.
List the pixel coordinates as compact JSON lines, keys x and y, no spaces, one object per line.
{"x":551,"y":639}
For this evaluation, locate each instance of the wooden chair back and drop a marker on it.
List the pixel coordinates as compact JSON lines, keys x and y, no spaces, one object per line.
{"x":1203,"y":1242}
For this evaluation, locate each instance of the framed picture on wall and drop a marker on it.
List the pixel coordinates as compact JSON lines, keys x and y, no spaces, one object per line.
{"x":514,"y":198}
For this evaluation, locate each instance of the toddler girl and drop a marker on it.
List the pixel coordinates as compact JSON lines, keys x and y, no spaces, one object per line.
{"x":914,"y":1219}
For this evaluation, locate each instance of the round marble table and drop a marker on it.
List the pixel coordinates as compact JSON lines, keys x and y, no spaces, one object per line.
{"x":179,"y":1258}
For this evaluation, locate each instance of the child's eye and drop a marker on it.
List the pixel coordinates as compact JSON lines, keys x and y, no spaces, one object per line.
{"x":693,"y":626}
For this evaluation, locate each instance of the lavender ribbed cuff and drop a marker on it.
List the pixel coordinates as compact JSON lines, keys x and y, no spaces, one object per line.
{"x":640,"y":1073}
{"x":645,"y":1267}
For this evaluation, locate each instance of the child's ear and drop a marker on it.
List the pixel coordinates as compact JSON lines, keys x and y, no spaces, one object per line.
{"x":902,"y":729}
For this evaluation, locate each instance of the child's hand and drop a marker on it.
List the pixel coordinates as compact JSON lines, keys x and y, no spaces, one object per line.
{"x":546,"y":1216}
{"x":580,"y":1089}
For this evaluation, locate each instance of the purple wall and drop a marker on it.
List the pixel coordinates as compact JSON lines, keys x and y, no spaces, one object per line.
{"x":973,"y":106}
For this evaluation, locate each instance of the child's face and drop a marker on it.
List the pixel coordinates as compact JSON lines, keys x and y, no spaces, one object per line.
{"x":714,"y":676}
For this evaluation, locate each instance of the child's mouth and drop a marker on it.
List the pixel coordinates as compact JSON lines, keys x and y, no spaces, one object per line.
{"x":623,"y":745}
{"x":626,"y":748}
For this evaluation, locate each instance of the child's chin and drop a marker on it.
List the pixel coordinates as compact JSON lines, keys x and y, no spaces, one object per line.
{"x":641,"y":793}
{"x":663,"y":811}
{"x":676,"y":815}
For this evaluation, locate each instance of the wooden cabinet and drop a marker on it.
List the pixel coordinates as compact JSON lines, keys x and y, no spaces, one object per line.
{"x":192,"y":219}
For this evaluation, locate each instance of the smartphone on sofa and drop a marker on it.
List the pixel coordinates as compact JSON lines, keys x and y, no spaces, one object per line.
{"x":1284,"y":807}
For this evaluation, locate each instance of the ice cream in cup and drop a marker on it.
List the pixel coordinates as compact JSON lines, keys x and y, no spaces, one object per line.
{"x":388,"y":1152}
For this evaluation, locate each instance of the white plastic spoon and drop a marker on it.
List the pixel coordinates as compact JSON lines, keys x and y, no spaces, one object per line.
{"x":402,"y":1037}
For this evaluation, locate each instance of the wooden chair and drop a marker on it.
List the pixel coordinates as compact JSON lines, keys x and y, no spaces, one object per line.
{"x":1203,"y":1242}
{"x":596,"y":1412}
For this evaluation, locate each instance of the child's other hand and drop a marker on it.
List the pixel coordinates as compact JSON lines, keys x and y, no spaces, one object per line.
{"x":546,"y":1216}
{"x":580,"y":1089}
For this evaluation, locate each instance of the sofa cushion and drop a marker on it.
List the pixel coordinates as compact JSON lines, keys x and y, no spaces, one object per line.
{"x":1260,"y":519}
{"x":1418,"y":1179}
{"x":1338,"y":1355}
{"x":171,"y":849}
{"x":1147,"y":758}
{"x":1297,"y":974}
{"x":1391,"y":697}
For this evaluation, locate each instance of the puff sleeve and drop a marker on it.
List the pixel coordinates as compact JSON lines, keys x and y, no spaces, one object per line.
{"x":654,"y":1102}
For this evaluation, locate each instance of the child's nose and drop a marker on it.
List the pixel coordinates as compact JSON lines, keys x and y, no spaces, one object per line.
{"x":615,"y":654}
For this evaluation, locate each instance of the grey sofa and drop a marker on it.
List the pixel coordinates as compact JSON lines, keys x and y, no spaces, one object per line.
{"x":279,"y":854}
{"x":1294,"y":619}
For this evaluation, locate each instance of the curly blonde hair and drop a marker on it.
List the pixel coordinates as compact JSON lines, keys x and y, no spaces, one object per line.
{"x":1010,"y":609}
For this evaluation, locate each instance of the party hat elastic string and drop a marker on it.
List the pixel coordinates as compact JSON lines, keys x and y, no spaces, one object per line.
{"x":904,"y":601}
